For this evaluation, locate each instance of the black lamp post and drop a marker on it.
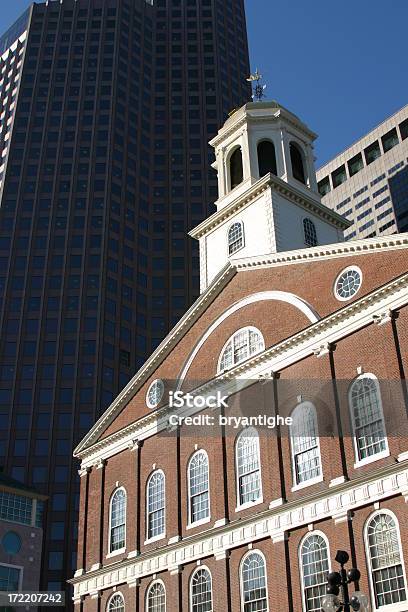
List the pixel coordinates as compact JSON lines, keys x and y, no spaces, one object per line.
{"x":337,"y":585}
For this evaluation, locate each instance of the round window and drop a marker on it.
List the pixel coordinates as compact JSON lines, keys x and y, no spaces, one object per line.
{"x":348,"y":283}
{"x":11,"y":543}
{"x":155,"y":393}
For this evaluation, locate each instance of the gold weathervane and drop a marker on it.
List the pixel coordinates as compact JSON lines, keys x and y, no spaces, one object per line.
{"x":258,"y":89}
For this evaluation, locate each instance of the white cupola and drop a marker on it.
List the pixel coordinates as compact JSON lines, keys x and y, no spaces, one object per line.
{"x":268,"y":198}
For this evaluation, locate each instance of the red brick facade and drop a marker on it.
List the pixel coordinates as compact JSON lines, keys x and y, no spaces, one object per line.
{"x":337,"y":506}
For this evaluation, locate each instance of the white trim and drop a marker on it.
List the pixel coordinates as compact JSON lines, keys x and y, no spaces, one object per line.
{"x":110,"y":599}
{"x":364,"y":491}
{"x":386,"y":452}
{"x":396,"y":607}
{"x":259,"y":500}
{"x":159,"y":536}
{"x":115,"y":553}
{"x":335,"y":290}
{"x":234,"y":222}
{"x":250,"y":552}
{"x":155,"y":581}
{"x":307,"y":483}
{"x":248,"y":328}
{"x":301,"y":485}
{"x":156,"y":381}
{"x":112,"y":553}
{"x":329,"y":330}
{"x":372,"y":458}
{"x":282,"y":296}
{"x":300,"y":561}
{"x":190,"y":586}
{"x":191,"y":524}
{"x":321,"y":253}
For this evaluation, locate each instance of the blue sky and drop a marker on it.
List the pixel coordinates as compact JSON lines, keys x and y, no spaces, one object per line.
{"x":340,"y":66}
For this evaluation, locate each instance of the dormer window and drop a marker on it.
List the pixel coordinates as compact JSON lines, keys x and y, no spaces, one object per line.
{"x":296,"y":159}
{"x":266,"y":158}
{"x":236,"y":168}
{"x":235,"y":237}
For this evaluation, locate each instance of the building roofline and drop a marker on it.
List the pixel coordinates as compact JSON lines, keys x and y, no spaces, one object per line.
{"x":15,"y":486}
{"x":376,"y":127}
{"x":353,"y":247}
{"x":277,"y":184}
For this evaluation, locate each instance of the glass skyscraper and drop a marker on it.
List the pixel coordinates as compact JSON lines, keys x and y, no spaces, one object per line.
{"x":106,"y":110}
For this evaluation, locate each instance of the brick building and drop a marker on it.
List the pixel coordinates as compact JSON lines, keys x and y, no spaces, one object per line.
{"x":292,"y":322}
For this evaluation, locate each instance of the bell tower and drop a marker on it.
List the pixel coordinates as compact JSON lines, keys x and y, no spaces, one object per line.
{"x":267,"y":191}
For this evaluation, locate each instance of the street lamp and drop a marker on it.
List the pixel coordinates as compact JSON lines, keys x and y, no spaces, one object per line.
{"x":336,"y":581}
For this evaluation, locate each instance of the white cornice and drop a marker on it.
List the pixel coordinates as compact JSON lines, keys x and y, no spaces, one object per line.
{"x":325,"y":251}
{"x":276,"y":184}
{"x":250,"y":112}
{"x":271,"y":523}
{"x":306,"y":342}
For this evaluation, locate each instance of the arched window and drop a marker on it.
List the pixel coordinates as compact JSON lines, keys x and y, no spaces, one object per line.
{"x":253,"y":583}
{"x":248,"y":465}
{"x":235,"y":237}
{"x":156,"y":598}
{"x":384,"y":554}
{"x":117,"y":520}
{"x":309,"y":232}
{"x":296,"y":159}
{"x":266,"y":158}
{"x":155,"y":499}
{"x":201,"y":591}
{"x":198,"y":485}
{"x":116,"y":603}
{"x":304,"y":435}
{"x":367,"y":418}
{"x":236,"y":169}
{"x":245,"y":343}
{"x":314,"y":564}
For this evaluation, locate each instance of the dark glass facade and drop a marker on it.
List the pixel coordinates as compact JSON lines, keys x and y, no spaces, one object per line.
{"x":399,"y":194}
{"x":106,"y":167}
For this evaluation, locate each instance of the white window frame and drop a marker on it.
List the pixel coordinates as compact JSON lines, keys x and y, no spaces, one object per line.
{"x":300,"y":561}
{"x":396,"y":607}
{"x":151,"y":585}
{"x":20,"y":568}
{"x":248,"y":328}
{"x":241,"y":577}
{"x":241,"y":506}
{"x":386,"y":452}
{"x":161,"y":535}
{"x":207,"y":519}
{"x":306,"y":483}
{"x":241,"y":224}
{"x":157,"y":381}
{"x":119,"y":550}
{"x":348,"y":269}
{"x":197,"y":569}
{"x":108,"y":603}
